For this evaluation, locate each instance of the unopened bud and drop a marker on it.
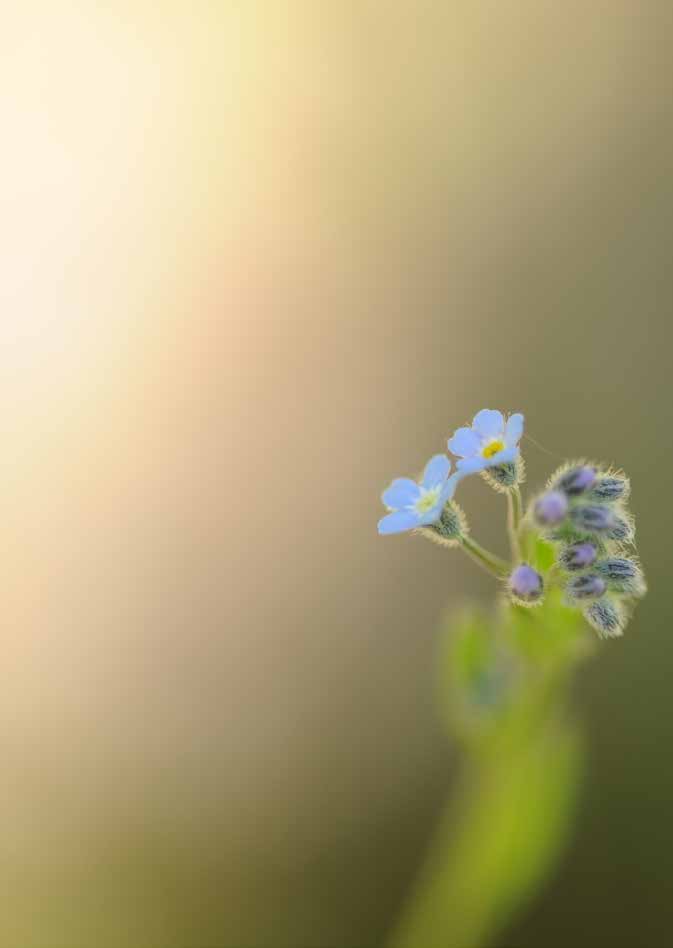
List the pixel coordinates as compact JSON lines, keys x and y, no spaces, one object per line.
{"x":526,"y":584}
{"x":586,"y":587}
{"x":578,"y":556}
{"x":601,"y":520}
{"x":577,"y":480}
{"x":606,"y":617}
{"x":551,"y":508}
{"x":593,"y":519}
{"x":621,"y":530}
{"x":611,"y":487}
{"x":623,"y":575}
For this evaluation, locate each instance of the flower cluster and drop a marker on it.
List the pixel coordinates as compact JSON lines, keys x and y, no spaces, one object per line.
{"x":582,"y":514}
{"x":490,"y":444}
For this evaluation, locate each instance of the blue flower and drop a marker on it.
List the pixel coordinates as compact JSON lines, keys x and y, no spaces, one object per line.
{"x":418,"y":505}
{"x":488,"y":443}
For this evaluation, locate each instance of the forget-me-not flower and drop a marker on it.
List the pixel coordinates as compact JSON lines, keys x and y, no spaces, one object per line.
{"x":488,"y":443}
{"x":418,"y":505}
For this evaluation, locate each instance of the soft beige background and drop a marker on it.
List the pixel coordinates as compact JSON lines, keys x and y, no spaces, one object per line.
{"x":255,"y":260}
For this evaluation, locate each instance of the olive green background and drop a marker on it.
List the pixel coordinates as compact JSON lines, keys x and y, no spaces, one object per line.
{"x":258,"y":261}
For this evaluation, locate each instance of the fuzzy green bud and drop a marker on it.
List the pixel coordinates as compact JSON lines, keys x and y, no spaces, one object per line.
{"x":622,"y":575}
{"x":603,"y":521}
{"x":450,"y":527}
{"x":606,"y":617}
{"x":502,"y":476}
{"x":610,"y":487}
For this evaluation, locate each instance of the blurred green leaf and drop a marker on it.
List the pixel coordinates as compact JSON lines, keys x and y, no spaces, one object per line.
{"x":496,"y":843}
{"x":504,"y":687}
{"x":544,"y":555}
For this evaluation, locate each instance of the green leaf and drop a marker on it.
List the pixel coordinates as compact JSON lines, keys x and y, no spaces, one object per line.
{"x":544,"y":555}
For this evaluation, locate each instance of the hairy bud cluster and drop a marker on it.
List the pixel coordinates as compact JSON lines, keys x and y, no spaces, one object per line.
{"x":573,"y":541}
{"x":583,"y":513}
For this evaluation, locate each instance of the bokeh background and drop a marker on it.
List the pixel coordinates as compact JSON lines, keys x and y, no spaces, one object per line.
{"x":255,"y":260}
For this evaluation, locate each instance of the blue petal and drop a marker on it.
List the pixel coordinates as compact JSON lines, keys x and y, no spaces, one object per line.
{"x":398,"y":522}
{"x":465,"y":443}
{"x":503,"y":457}
{"x":449,"y":488}
{"x":513,"y":430}
{"x":402,"y":493}
{"x":436,"y":470}
{"x":488,"y":423}
{"x":471,"y":465}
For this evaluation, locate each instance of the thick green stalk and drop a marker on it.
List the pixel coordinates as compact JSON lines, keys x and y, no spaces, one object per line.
{"x":504,"y":690}
{"x":499,"y":836}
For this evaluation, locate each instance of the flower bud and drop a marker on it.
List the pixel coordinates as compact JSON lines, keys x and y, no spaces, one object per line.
{"x":606,"y":617}
{"x":621,"y":530}
{"x":551,"y":508}
{"x":586,"y":587}
{"x":577,"y":480}
{"x":601,"y":520}
{"x":526,"y":584}
{"x":622,"y":575}
{"x":611,"y":487}
{"x":578,"y":556}
{"x":593,"y":519}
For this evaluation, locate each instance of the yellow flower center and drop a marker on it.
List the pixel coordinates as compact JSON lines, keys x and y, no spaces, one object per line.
{"x":427,"y":500}
{"x":493,"y":447}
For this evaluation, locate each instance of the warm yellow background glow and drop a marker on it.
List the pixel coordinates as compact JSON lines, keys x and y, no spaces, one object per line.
{"x":255,"y":260}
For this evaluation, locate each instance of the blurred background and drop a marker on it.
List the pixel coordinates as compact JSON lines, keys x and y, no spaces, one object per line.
{"x":255,"y":260}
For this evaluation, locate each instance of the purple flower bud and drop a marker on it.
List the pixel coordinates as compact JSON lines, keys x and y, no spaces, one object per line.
{"x":578,"y":556}
{"x":586,"y":587}
{"x":611,"y":488}
{"x":577,"y":480}
{"x":551,"y":508}
{"x":593,"y":519}
{"x":526,"y":584}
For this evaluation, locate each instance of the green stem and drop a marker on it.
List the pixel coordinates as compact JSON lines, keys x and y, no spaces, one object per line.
{"x":489,"y":561}
{"x":498,"y":839}
{"x":514,"y":518}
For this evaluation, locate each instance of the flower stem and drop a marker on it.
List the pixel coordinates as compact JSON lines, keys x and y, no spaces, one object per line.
{"x":489,"y":561}
{"x":514,"y":517}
